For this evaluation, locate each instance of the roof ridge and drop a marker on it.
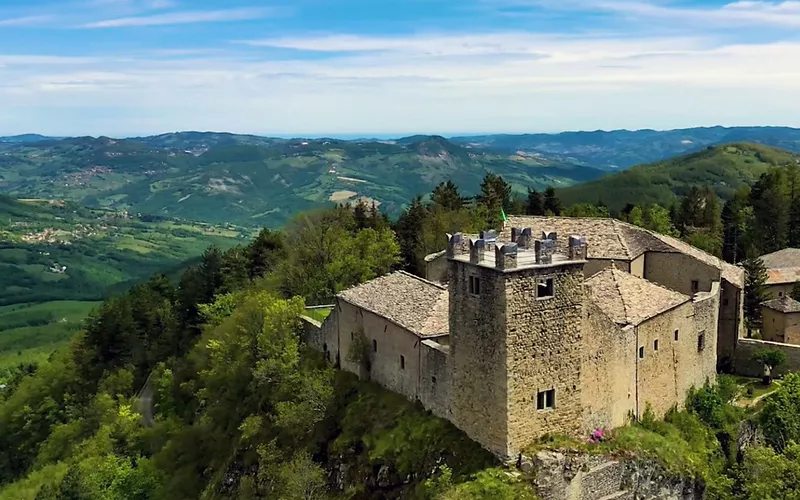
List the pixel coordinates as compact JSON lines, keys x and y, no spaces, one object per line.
{"x":620,"y":238}
{"x":427,"y":282}
{"x":613,"y":271}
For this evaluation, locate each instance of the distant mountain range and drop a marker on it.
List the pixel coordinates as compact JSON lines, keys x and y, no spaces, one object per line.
{"x":252,"y":180}
{"x":264,"y":181}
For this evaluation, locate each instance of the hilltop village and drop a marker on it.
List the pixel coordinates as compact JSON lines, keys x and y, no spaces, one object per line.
{"x":555,"y":325}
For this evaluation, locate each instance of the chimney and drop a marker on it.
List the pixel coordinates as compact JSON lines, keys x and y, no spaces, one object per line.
{"x":544,"y":250}
{"x":525,"y":238}
{"x":578,"y":250}
{"x":455,"y":245}
{"x":505,"y":257}
{"x":477,"y":249}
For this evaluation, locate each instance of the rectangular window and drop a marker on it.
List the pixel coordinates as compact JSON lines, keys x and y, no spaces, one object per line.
{"x":474,"y":285}
{"x":641,"y":353}
{"x":701,"y":341}
{"x":402,"y":363}
{"x":676,"y":335}
{"x":695,"y":286}
{"x":655,"y":345}
{"x":374,"y":345}
{"x":544,"y":288}
{"x":546,"y":400}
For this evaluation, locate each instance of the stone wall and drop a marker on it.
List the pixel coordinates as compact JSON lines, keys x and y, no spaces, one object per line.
{"x":780,"y":327}
{"x":323,"y":337}
{"x":676,"y":271}
{"x":478,"y":356}
{"x":608,"y":377}
{"x":745,"y":365}
{"x":437,"y":267}
{"x":637,"y":266}
{"x":594,"y":266}
{"x":665,"y":375}
{"x":544,"y":352}
{"x":778,"y":291}
{"x":391,"y":341}
{"x":434,"y":378}
{"x":731,"y":326}
{"x":560,"y":476}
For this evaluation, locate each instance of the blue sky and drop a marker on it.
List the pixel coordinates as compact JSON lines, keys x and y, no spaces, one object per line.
{"x":386,"y":67}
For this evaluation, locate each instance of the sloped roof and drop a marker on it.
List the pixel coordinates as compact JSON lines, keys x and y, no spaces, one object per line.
{"x":413,"y":303}
{"x":629,"y":300}
{"x":613,"y":239}
{"x":782,"y":266}
{"x":788,"y":257}
{"x":784,"y":304}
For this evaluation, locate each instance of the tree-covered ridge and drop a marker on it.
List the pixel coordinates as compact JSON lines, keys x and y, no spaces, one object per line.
{"x":255,"y":181}
{"x":724,"y":168}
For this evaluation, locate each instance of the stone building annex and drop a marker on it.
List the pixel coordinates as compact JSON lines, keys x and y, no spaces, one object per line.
{"x":559,"y":325}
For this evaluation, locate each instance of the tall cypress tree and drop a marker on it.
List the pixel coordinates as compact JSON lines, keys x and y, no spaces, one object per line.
{"x":754,"y":290}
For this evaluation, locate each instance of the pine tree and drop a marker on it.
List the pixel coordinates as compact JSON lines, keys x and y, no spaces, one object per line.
{"x":535,"y":204}
{"x":754,"y":290}
{"x":446,"y":196}
{"x":552,"y":204}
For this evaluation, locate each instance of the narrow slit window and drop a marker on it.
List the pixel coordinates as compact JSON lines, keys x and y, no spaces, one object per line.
{"x":655,"y":345}
{"x":546,"y":400}
{"x":402,"y":362}
{"x":641,"y":353}
{"x":474,"y":285}
{"x":701,"y":342}
{"x":374,"y":345}
{"x":676,"y":335}
{"x":544,"y":288}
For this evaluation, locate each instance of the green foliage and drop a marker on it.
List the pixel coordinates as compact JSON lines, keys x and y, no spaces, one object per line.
{"x":498,"y":484}
{"x":754,"y":290}
{"x":723,"y":168}
{"x":766,"y":474}
{"x":779,"y":417}
{"x":773,"y":358}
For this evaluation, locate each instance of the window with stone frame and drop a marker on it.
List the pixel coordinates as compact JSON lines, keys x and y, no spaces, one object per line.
{"x":546,"y":400}
{"x":544,"y":288}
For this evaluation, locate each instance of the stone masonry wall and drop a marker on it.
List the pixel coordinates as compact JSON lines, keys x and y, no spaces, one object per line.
{"x":676,"y":271}
{"x":478,"y":356}
{"x":665,"y":375}
{"x":392,"y":342}
{"x":745,"y":365}
{"x":731,"y":324}
{"x":637,"y":266}
{"x":608,"y":376}
{"x":544,"y":352}
{"x":774,"y":324}
{"x":778,"y":291}
{"x":434,"y":379}
{"x":560,"y":476}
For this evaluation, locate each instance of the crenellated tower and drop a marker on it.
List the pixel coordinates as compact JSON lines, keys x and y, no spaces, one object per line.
{"x":515,"y":337}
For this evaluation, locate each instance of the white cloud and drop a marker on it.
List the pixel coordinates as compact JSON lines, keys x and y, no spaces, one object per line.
{"x":185,"y":17}
{"x":25,"y":21}
{"x":443,"y":83}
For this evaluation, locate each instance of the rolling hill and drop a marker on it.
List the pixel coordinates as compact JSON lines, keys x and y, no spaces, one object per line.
{"x":725,"y":168}
{"x":257,"y":181}
{"x":620,"y":149}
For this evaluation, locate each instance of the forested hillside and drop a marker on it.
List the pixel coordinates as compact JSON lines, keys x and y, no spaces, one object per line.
{"x":203,"y":389}
{"x":724,"y":169}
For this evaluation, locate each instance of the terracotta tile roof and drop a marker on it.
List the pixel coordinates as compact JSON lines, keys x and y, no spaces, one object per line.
{"x":413,"y":303}
{"x":784,"y":304}
{"x":629,"y":300}
{"x":783,"y":276}
{"x":613,"y":239}
{"x":782,"y":266}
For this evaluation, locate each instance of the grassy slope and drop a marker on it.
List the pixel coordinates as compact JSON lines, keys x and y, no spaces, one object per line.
{"x":221,"y":178}
{"x":725,"y":168}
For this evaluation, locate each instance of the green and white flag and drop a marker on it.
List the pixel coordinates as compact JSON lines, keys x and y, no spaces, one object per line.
{"x":503,"y":214}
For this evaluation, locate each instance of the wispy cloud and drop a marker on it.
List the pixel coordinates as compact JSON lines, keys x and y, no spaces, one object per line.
{"x":26,"y":21}
{"x":185,"y":17}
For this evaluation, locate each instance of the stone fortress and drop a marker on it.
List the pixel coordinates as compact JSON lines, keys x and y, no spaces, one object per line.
{"x":555,"y":325}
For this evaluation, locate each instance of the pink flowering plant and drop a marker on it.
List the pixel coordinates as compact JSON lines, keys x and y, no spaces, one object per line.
{"x":597,"y":436}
